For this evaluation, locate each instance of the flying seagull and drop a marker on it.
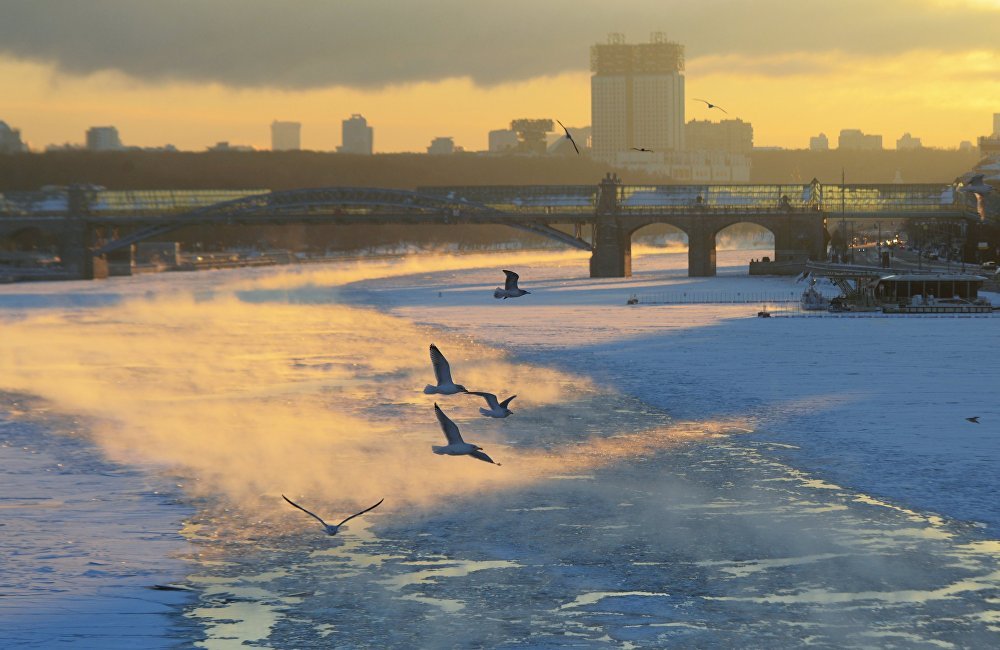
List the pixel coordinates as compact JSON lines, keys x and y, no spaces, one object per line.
{"x":976,"y":185}
{"x":974,"y":420}
{"x":442,"y":372}
{"x":456,"y":446}
{"x":569,"y":137}
{"x":711,"y":105}
{"x":330,"y":529}
{"x":510,"y":289}
{"x":497,"y":409}
{"x":642,"y":149}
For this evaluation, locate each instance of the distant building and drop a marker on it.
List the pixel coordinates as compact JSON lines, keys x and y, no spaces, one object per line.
{"x":10,"y":139}
{"x":689,"y":166}
{"x":502,"y":140}
{"x":733,"y":136}
{"x":907,"y":142}
{"x":286,"y":136}
{"x":441,"y":146}
{"x":103,"y":138}
{"x":66,"y":146}
{"x":531,"y":134}
{"x":357,"y":136}
{"x":855,"y":140}
{"x":819,"y":143}
{"x":996,"y":124}
{"x":989,"y":145}
{"x":225,"y":146}
{"x":636,"y":96}
{"x":966,"y":146}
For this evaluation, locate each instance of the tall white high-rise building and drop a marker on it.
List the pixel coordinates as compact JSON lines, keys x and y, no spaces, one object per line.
{"x":636,"y":96}
{"x":357,"y":136}
{"x":286,"y":136}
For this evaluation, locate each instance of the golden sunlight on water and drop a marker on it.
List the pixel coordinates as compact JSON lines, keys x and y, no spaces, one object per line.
{"x":247,"y":393}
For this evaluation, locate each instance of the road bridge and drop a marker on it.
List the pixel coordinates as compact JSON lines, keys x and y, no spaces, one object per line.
{"x":90,"y":223}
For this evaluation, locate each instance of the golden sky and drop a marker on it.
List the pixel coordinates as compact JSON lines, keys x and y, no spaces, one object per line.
{"x":190,"y":74}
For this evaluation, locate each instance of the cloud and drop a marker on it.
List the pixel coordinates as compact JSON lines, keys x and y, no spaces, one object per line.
{"x":375,"y":43}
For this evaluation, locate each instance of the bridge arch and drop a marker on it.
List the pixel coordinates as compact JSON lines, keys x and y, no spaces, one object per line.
{"x":793,"y":240}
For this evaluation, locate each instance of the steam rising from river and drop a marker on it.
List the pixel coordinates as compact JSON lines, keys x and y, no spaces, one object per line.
{"x":268,"y":386}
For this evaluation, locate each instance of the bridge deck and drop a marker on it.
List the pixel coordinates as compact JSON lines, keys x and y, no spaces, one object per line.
{"x":574,"y":201}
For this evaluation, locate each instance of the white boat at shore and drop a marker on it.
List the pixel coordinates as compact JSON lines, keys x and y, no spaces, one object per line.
{"x":813,"y":300}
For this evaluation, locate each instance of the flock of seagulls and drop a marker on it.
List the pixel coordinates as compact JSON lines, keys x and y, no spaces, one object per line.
{"x":445,"y":385}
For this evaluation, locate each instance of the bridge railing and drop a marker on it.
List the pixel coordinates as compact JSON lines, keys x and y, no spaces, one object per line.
{"x":516,"y":199}
{"x":98,"y":202}
{"x":576,"y":200}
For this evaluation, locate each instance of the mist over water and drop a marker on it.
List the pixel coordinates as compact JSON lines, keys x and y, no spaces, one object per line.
{"x":610,"y":523}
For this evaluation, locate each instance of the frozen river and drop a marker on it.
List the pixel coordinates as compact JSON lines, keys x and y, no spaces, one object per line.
{"x":673,"y":476}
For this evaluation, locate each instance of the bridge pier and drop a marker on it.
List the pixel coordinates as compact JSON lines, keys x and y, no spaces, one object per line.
{"x":701,"y":251}
{"x":612,"y":256}
{"x":75,"y":251}
{"x":800,"y":241}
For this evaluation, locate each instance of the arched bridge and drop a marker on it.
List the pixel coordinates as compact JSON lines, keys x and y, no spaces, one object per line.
{"x":609,"y":213}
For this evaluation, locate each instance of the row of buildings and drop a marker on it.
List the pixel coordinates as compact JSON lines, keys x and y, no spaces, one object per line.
{"x":285,"y":136}
{"x":856,"y":140}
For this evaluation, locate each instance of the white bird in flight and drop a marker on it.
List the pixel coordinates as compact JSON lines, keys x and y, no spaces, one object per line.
{"x":497,"y":409}
{"x":977,"y":186}
{"x":330,"y":528}
{"x":569,"y":137}
{"x":456,"y":446}
{"x":510,"y":288}
{"x":442,"y":372}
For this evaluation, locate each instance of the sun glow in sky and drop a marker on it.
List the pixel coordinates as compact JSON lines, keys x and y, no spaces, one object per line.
{"x":925,"y":67}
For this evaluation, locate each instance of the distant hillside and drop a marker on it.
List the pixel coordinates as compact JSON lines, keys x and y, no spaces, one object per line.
{"x":297,"y":169}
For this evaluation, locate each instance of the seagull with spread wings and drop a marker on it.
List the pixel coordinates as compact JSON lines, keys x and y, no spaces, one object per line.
{"x":569,"y":137}
{"x":510,"y":288}
{"x":711,"y":105}
{"x":330,"y":528}
{"x":497,"y":409}
{"x":456,"y":446}
{"x":442,"y":372}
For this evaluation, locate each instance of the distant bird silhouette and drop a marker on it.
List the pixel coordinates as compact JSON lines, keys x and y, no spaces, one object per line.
{"x":456,"y":446}
{"x":569,"y":137}
{"x":510,"y":288}
{"x":711,"y":105}
{"x":330,"y":528}
{"x":642,"y":149}
{"x":497,"y":409}
{"x":442,"y":372}
{"x":974,"y":420}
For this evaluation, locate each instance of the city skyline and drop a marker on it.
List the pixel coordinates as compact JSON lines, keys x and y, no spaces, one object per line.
{"x":899,"y":67}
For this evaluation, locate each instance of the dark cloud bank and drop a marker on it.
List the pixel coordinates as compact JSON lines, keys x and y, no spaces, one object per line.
{"x":372,"y":43}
